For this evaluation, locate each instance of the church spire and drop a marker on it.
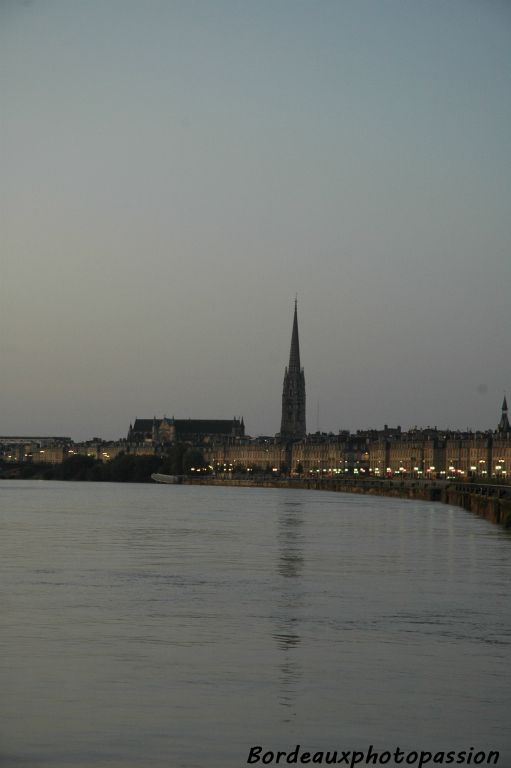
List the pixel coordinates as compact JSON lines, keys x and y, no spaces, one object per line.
{"x":294,"y":354}
{"x":293,"y":391}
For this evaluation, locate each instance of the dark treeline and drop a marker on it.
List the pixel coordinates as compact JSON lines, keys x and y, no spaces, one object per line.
{"x":125,"y":468}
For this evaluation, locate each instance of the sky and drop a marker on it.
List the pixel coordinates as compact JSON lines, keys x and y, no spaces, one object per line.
{"x":174,"y":172}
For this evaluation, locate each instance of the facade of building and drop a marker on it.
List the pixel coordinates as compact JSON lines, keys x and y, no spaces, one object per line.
{"x":265,"y":455}
{"x":18,"y":449}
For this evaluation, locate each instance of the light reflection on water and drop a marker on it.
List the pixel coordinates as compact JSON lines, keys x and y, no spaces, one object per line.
{"x":174,"y":626}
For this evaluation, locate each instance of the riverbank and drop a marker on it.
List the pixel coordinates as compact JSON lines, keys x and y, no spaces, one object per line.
{"x":491,"y":502}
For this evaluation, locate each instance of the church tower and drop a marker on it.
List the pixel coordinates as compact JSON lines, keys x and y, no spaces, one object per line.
{"x":293,"y":392}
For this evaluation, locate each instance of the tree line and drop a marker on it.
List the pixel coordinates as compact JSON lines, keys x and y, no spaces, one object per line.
{"x":124,"y":468}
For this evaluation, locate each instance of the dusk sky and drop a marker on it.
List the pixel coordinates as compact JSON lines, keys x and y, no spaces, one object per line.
{"x":173,"y":173}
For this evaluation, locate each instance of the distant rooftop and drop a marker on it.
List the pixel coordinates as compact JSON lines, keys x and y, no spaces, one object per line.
{"x":33,"y":439}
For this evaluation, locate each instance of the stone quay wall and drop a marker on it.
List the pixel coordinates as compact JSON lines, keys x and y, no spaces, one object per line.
{"x":492,"y":502}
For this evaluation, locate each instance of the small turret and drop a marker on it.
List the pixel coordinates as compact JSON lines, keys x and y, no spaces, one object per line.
{"x":504,"y":427}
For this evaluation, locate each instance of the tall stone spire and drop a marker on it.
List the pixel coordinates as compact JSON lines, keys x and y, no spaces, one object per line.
{"x":294,"y":354}
{"x":293,"y":391}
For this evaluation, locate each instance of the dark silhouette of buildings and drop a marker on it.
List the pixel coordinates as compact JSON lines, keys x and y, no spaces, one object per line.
{"x":183,"y":430}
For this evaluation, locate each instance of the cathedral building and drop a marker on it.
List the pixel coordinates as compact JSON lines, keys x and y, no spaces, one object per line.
{"x":292,"y":425}
{"x":194,"y":431}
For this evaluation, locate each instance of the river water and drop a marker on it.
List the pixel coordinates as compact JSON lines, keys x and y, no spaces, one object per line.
{"x":147,"y":626}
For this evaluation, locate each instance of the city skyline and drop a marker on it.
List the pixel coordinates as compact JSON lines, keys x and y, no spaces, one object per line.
{"x":293,"y":412}
{"x":175,"y":173}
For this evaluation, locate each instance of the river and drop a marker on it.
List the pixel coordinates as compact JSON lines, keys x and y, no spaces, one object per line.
{"x":148,"y":626}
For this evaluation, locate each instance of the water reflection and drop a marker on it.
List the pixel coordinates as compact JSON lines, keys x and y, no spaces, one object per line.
{"x":290,"y":537}
{"x":249,"y":617}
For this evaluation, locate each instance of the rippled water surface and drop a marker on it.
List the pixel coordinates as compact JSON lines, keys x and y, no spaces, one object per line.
{"x":147,"y":626}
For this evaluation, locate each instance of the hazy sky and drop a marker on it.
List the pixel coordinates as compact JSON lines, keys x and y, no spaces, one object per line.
{"x":173,"y":172}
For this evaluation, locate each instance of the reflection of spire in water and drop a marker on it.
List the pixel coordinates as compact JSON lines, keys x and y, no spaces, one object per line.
{"x":291,"y":557}
{"x":287,"y":638}
{"x":290,"y":540}
{"x":290,"y":674}
{"x":289,"y":567}
{"x":286,"y":641}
